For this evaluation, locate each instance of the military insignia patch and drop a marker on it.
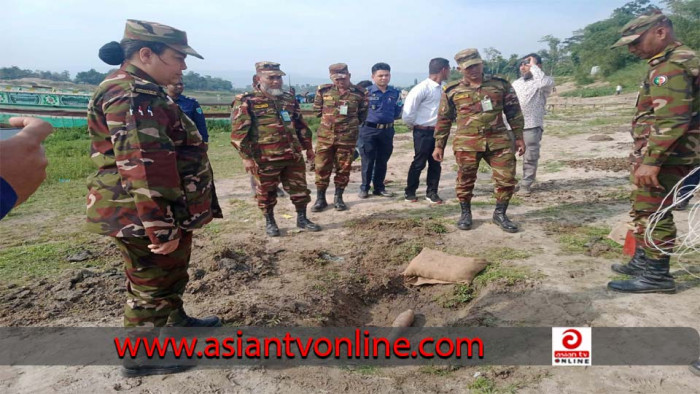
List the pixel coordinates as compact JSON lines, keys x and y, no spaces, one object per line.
{"x":146,"y":91}
{"x":199,"y":110}
{"x":260,"y":106}
{"x":660,"y":80}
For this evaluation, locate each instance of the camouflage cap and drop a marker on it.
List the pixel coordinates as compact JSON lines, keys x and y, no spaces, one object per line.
{"x":269,"y":68}
{"x":468,"y":57}
{"x":636,"y":27}
{"x":338,"y":70}
{"x":152,"y":31}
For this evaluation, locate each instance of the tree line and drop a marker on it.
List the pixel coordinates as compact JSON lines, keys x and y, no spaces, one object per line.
{"x":590,"y":46}
{"x":192,"y":80}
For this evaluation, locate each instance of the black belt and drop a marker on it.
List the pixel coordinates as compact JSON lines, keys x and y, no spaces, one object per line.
{"x":424,"y":128}
{"x":379,"y":126}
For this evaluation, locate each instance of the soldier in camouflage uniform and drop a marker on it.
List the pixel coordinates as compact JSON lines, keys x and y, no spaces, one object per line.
{"x":476,"y":103}
{"x":666,"y":133}
{"x":269,"y":133}
{"x":341,"y":107}
{"x":153,"y":185}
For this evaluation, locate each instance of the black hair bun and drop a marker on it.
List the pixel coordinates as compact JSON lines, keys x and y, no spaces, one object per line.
{"x":112,"y":53}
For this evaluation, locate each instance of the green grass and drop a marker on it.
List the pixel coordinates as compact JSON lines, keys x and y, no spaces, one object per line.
{"x":23,"y":264}
{"x":461,"y":294}
{"x":438,"y":370}
{"x":484,"y":385}
{"x":553,"y":166}
{"x":578,"y":239}
{"x":590,"y":92}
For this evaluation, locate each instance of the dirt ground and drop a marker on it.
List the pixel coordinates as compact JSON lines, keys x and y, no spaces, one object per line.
{"x":350,"y":275}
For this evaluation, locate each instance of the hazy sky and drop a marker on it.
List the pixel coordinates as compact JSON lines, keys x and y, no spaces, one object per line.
{"x":305,"y":36}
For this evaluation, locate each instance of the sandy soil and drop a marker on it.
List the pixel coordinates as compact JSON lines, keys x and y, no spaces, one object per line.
{"x":349,"y":274}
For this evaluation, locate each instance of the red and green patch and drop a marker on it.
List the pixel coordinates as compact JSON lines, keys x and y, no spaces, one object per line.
{"x":660,"y":80}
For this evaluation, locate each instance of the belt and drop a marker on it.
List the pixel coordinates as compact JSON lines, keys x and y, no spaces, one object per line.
{"x":379,"y":126}
{"x":424,"y":128}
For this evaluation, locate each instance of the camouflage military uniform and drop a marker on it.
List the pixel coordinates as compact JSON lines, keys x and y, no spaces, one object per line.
{"x":341,"y":116}
{"x":272,"y":132}
{"x":153,"y":184}
{"x":481,"y":132}
{"x":666,"y":133}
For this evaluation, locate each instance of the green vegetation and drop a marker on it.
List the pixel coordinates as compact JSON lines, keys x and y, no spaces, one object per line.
{"x":37,"y":236}
{"x":581,"y":240}
{"x":590,"y":92}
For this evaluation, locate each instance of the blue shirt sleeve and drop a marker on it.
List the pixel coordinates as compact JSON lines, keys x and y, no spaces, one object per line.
{"x":399,"y":105}
{"x":8,"y":198}
{"x":198,"y":118}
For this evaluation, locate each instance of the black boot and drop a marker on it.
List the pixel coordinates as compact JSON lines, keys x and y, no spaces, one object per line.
{"x":695,"y":367}
{"x":304,"y":223}
{"x":500,"y":218}
{"x":188,"y":321}
{"x":654,"y":279}
{"x":635,"y":266}
{"x":321,"y":202}
{"x":338,"y":200}
{"x":465,"y":221}
{"x":271,"y":228}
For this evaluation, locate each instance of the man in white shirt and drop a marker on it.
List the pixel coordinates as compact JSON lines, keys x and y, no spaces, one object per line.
{"x":420,"y":114}
{"x":532,"y":88}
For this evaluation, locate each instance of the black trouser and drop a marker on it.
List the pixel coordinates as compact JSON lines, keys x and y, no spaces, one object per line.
{"x":423,"y":145}
{"x":375,"y":147}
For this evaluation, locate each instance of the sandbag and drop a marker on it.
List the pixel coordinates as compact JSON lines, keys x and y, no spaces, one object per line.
{"x":435,"y":267}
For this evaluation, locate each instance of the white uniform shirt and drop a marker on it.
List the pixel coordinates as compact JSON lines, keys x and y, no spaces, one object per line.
{"x":532,"y":95}
{"x":421,"y":105}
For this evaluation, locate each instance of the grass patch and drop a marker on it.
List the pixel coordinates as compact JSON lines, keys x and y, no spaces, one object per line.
{"x":461,"y":294}
{"x":365,"y":369}
{"x":484,"y":385}
{"x":590,"y":92}
{"x":23,"y":264}
{"x":589,"y":240}
{"x":500,"y":255}
{"x":552,"y":166}
{"x":438,"y":370}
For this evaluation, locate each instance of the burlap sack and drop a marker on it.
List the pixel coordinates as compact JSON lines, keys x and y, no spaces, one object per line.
{"x":434,"y":267}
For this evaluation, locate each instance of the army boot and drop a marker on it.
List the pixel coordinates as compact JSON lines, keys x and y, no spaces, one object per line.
{"x":142,"y":365}
{"x":695,"y":367}
{"x":635,"y":266}
{"x":304,"y":223}
{"x":183,"y":320}
{"x":500,"y":218}
{"x":271,"y":228}
{"x":465,"y":221}
{"x":654,"y":279}
{"x":321,"y":202}
{"x":338,"y":202}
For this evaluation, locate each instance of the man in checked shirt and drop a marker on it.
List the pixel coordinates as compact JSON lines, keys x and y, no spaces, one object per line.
{"x":533,"y":87}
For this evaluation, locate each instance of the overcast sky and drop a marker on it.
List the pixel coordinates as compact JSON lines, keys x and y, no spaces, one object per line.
{"x":305,"y":36}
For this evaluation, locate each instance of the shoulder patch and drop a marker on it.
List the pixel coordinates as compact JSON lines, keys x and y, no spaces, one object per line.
{"x":660,"y":80}
{"x":325,"y":86}
{"x":450,"y":86}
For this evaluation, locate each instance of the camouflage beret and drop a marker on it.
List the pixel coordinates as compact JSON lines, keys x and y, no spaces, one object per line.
{"x":269,"y":68}
{"x":152,"y":31}
{"x":338,"y":70}
{"x":636,"y":27}
{"x":468,"y":57}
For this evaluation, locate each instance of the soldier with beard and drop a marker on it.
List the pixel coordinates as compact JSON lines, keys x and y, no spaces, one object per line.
{"x":269,"y":133}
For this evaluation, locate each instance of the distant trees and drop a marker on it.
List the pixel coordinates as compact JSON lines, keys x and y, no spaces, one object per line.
{"x":92,"y":77}
{"x":193,"y":80}
{"x":15,"y":72}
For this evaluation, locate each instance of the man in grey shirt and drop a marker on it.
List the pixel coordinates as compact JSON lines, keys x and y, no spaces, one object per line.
{"x":533,"y":87}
